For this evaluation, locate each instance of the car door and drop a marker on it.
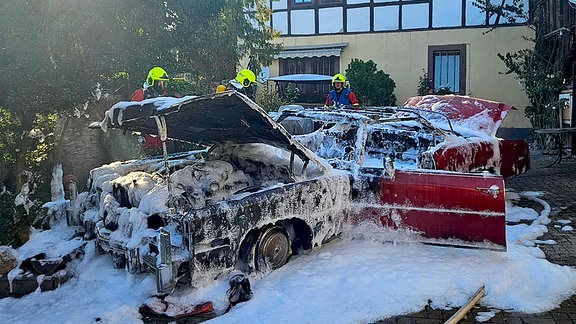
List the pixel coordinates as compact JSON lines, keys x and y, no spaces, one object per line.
{"x":459,"y":208}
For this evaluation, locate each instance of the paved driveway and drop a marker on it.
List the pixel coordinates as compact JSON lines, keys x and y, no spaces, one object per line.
{"x":558,"y":183}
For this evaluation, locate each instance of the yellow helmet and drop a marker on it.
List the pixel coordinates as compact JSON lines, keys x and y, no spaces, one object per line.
{"x":220,"y":88}
{"x":246,"y":78}
{"x":156,"y":74}
{"x":338,"y":78}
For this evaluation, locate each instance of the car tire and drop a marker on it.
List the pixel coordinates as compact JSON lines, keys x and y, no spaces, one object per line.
{"x":273,"y":249}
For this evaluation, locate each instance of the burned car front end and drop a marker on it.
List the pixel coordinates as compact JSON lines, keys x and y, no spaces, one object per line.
{"x":249,"y":202}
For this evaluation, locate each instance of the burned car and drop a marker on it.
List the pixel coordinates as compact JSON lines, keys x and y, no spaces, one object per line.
{"x":452,"y":133}
{"x":248,"y":200}
{"x":434,"y":166}
{"x":252,"y":195}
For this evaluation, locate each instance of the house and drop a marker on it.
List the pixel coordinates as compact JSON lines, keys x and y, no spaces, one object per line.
{"x":451,"y":40}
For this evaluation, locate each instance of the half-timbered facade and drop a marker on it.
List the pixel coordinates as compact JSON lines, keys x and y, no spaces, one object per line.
{"x":448,"y":39}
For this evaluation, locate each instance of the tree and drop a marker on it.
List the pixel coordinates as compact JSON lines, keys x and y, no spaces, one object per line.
{"x":373,"y":87}
{"x":542,"y":69}
{"x":59,"y":55}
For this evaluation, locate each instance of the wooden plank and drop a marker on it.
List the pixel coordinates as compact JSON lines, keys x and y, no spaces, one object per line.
{"x":466,"y":308}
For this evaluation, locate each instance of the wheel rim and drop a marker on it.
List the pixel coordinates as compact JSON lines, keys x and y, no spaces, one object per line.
{"x":274,"y":249}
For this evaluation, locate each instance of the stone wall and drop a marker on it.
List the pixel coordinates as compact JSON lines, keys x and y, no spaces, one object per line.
{"x":81,"y":149}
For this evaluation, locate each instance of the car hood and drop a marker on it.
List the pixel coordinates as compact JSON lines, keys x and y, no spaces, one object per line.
{"x":217,"y":118}
{"x":466,"y":112}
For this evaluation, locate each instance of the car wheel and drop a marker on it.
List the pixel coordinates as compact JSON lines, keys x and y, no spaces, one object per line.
{"x":273,"y":249}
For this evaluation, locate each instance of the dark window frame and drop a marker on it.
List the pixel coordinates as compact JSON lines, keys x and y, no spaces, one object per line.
{"x":315,"y":2}
{"x":461,"y":49}
{"x":316,"y":5}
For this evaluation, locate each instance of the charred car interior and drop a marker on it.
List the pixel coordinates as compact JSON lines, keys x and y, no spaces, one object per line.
{"x":451,"y":133}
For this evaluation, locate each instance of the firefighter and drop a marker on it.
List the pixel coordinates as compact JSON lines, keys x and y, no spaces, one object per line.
{"x":341,"y":97}
{"x":220,"y":88}
{"x":243,"y":83}
{"x":154,"y":86}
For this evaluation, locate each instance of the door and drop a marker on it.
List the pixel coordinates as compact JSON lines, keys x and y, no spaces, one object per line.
{"x":466,"y":209}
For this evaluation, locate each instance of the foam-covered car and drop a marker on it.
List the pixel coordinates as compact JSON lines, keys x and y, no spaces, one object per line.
{"x":452,"y":133}
{"x":433,"y":166}
{"x":248,"y":199}
{"x":253,"y":194}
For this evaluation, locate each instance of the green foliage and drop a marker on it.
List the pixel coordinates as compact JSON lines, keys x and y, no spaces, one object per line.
{"x":7,"y":226}
{"x":373,"y":87}
{"x":55,"y":51}
{"x":425,"y":86}
{"x":58,"y":55}
{"x":498,"y":11}
{"x":180,"y":88}
{"x":7,"y":139}
{"x":292,"y":95}
{"x":539,"y":69}
{"x":541,"y":83}
{"x":268,"y":98}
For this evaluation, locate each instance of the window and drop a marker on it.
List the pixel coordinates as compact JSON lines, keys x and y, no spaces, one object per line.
{"x":446,"y":13}
{"x":375,"y":16}
{"x":311,"y":93}
{"x":330,"y":20}
{"x":447,"y":67}
{"x":297,"y":2}
{"x":415,"y":16}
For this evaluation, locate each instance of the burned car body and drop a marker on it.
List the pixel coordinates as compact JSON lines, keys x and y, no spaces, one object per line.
{"x":435,"y":167}
{"x":474,"y":122}
{"x":249,"y":202}
{"x":452,"y":133}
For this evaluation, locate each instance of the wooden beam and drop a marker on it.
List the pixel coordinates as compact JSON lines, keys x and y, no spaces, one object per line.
{"x":466,"y":308}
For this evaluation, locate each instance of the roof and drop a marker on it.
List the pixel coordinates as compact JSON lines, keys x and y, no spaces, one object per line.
{"x":302,"y":78}
{"x":311,"y":51}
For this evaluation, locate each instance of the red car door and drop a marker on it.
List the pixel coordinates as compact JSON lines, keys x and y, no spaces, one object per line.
{"x":461,"y":209}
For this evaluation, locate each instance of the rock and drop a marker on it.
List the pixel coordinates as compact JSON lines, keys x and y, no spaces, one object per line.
{"x":239,"y":290}
{"x":8,"y":260}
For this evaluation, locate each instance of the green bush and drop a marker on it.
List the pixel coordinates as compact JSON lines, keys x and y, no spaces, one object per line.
{"x":425,"y":86}
{"x":373,"y":87}
{"x":269,"y":98}
{"x":180,"y":88}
